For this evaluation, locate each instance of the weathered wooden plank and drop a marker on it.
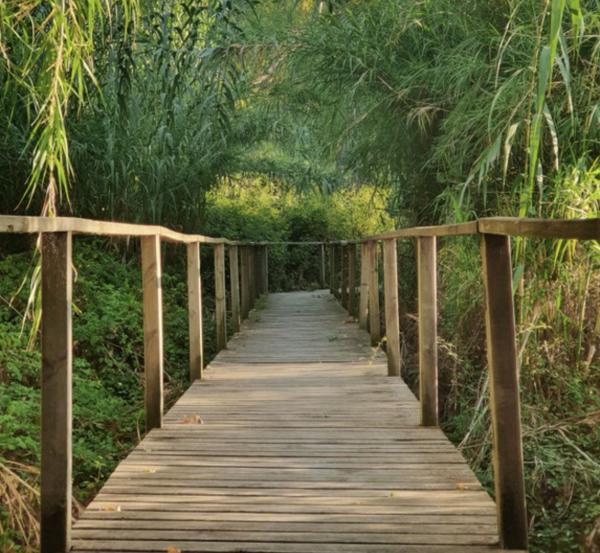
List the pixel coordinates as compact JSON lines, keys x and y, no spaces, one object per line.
{"x":428,"y":357}
{"x":291,"y":451}
{"x":392,"y":316}
{"x":363,"y":308}
{"x":344,"y":280}
{"x":153,"y":331}
{"x":322,"y":273}
{"x":373,"y":286}
{"x":504,"y":391}
{"x":220,"y":297}
{"x":234,"y":276}
{"x":352,"y":303}
{"x":194,"y":284}
{"x":244,"y":281}
{"x":57,"y":370}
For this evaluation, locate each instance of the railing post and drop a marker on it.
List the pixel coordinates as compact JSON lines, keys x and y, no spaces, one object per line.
{"x":352,"y":279}
{"x":252,"y":275}
{"x":373,"y":284}
{"x":57,"y":370}
{"x":194,"y":282}
{"x":332,"y":269}
{"x":234,"y":275}
{"x":504,"y":392}
{"x":245,"y":281}
{"x":220,"y":297}
{"x":392,"y":317}
{"x":428,"y":356}
{"x":363,"y":307}
{"x":265,"y":270}
{"x":153,"y":330}
{"x":344,"y":275}
{"x":322,"y":267}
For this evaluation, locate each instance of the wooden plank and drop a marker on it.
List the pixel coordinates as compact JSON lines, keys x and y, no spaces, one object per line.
{"x":194,"y":285}
{"x":234,"y":275}
{"x":458,"y":229}
{"x":373,"y":286}
{"x":19,"y":224}
{"x":363,"y":307}
{"x":428,"y":356}
{"x":332,"y":269}
{"x":293,"y":453}
{"x":220,"y":297}
{"x":265,"y":270}
{"x":392,"y":316}
{"x":577,"y":229}
{"x":153,"y":330}
{"x":57,"y":370}
{"x":352,"y":303}
{"x":344,"y":267}
{"x":252,"y":275}
{"x":504,"y":391}
{"x":322,"y":267}
{"x":245,"y":281}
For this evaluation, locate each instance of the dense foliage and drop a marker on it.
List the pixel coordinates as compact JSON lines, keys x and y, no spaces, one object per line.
{"x":300,"y":120}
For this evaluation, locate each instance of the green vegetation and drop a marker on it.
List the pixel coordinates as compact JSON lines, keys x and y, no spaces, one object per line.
{"x":300,"y":120}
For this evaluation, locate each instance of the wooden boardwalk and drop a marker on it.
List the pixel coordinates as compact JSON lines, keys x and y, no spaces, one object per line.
{"x":295,"y":442}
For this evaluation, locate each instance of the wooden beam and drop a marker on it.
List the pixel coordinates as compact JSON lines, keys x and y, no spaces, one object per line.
{"x":194,"y":284}
{"x":265,"y":270}
{"x":322,"y":266}
{"x":579,"y":229}
{"x":34,"y":225}
{"x":428,"y":355}
{"x":363,"y":307}
{"x":234,"y":275}
{"x":153,"y":330}
{"x":245,"y":281}
{"x":352,"y":304}
{"x":504,"y":392}
{"x":392,"y":316}
{"x":344,"y":275}
{"x":458,"y":229}
{"x":332,"y":269}
{"x":57,"y":370}
{"x":220,"y":297}
{"x":373,"y":283}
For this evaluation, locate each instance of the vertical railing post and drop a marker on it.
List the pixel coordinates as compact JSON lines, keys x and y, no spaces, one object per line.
{"x":322,"y":266}
{"x":373,"y":284}
{"x":332,"y":269}
{"x":265,"y":270}
{"x":252,"y":275}
{"x":504,"y":392}
{"x":245,"y":281}
{"x":344,"y":275}
{"x":392,"y":317}
{"x":220,"y":297}
{"x":428,"y":355}
{"x":153,"y":330}
{"x":57,"y":370}
{"x":352,"y":308}
{"x":234,"y":275}
{"x":194,"y":282}
{"x":363,"y":307}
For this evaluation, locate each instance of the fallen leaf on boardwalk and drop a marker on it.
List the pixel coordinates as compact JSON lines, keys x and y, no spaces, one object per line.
{"x":148,"y":469}
{"x":112,"y":508}
{"x":191,"y":419}
{"x":171,"y":549}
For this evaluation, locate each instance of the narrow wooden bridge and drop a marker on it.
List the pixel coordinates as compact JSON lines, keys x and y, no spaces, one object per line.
{"x":294,"y":439}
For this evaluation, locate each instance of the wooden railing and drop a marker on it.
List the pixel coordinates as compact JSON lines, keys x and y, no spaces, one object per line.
{"x":248,"y":280}
{"x":497,"y":275}
{"x":248,"y":264}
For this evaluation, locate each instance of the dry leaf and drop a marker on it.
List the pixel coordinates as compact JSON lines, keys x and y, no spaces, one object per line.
{"x":191,"y":419}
